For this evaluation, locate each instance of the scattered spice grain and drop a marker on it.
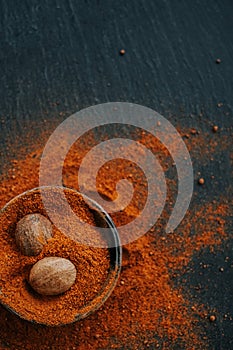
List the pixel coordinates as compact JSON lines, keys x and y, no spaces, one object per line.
{"x":201,"y":181}
{"x":212,"y":318}
{"x":193,"y":131}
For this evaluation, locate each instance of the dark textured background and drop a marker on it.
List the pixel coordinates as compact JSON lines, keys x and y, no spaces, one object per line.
{"x":57,"y":57}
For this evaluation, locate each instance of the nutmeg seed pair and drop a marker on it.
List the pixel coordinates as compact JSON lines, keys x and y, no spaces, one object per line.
{"x":50,"y":275}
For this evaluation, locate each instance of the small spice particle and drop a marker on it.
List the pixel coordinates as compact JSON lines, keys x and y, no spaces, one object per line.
{"x":201,"y":181}
{"x":215,"y":128}
{"x":122,"y":52}
{"x":193,"y":131}
{"x":218,"y":61}
{"x":212,"y":318}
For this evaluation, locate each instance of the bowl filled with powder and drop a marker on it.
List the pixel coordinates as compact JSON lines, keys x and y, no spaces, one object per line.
{"x":60,"y":256}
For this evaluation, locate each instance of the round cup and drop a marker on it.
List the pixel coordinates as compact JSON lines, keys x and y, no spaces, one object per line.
{"x":31,"y":202}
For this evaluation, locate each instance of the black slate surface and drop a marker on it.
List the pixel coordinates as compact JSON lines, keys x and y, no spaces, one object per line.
{"x":62,"y":56}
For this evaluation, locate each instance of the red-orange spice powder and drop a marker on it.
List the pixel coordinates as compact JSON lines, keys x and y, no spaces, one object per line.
{"x":146,"y":308}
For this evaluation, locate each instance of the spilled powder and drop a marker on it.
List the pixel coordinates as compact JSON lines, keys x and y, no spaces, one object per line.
{"x":147,"y":308}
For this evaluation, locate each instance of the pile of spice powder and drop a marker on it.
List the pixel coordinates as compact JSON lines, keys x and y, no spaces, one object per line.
{"x":147,"y":308}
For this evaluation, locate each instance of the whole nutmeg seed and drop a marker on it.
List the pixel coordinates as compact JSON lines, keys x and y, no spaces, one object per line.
{"x":52,"y":276}
{"x":32,"y":233}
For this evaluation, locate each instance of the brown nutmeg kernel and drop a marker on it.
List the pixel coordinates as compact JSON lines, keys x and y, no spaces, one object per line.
{"x":32,"y":232}
{"x":52,"y":276}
